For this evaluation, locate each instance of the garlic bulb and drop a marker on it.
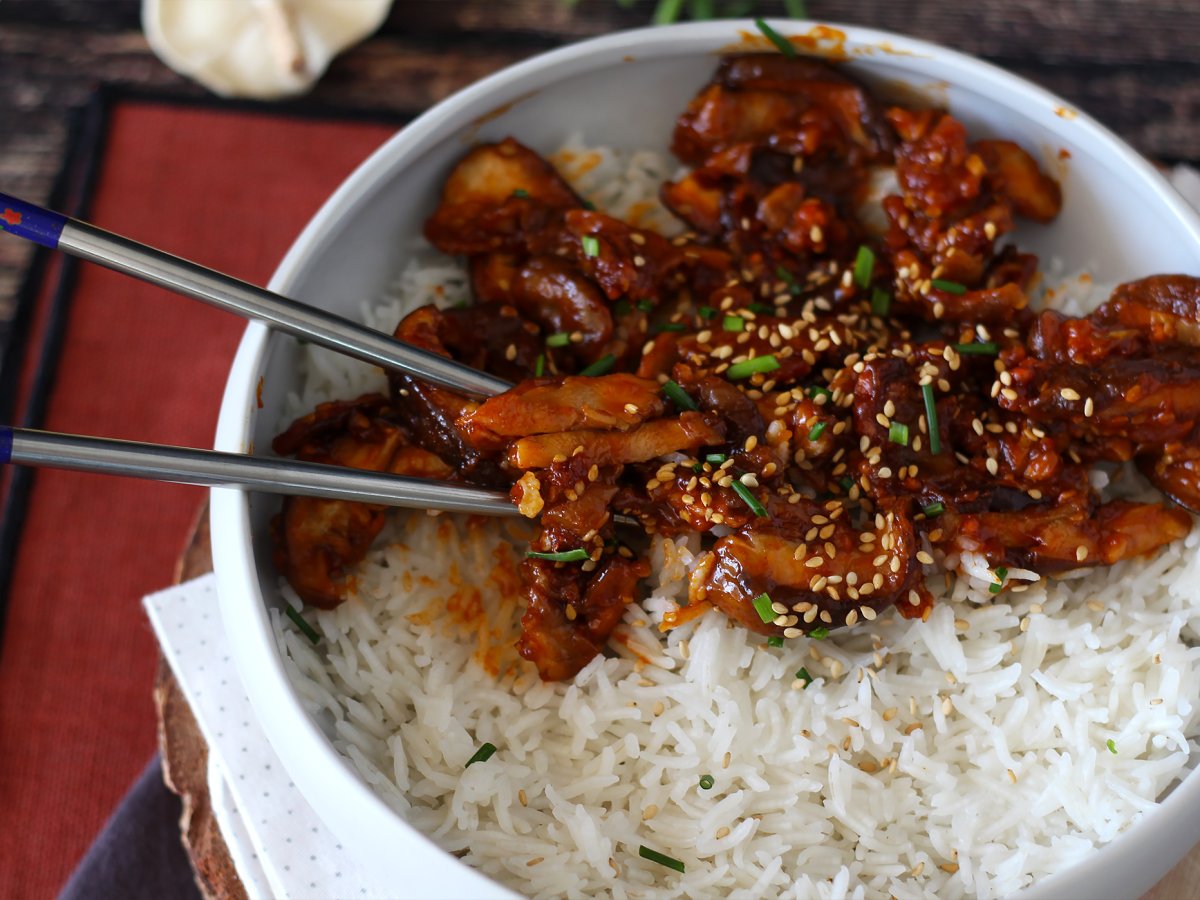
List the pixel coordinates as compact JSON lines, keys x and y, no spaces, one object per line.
{"x":257,"y":48}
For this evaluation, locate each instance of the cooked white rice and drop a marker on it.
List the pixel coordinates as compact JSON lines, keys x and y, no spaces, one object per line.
{"x":966,"y":755}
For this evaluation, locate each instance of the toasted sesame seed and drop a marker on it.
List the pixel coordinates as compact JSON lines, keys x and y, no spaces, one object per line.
{"x":1081,"y":553}
{"x":649,"y":812}
{"x":1068,"y":394}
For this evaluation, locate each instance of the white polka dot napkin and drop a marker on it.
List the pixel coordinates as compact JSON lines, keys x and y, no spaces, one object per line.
{"x":279,"y":846}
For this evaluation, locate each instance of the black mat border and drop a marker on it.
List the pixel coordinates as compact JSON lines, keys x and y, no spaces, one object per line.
{"x":72,"y":193}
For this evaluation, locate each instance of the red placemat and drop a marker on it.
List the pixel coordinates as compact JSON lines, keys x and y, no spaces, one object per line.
{"x":229,"y":188}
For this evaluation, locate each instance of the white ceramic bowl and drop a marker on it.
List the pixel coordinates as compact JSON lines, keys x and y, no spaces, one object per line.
{"x":1120,"y":220}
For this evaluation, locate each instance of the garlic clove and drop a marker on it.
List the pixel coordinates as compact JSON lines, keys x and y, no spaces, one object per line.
{"x":257,"y":48}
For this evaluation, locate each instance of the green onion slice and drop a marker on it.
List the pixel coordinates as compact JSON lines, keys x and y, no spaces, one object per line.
{"x":483,"y":754}
{"x":670,"y":326}
{"x":819,"y":634}
{"x":864,"y":266}
{"x":748,"y":367}
{"x":774,"y":641}
{"x":815,"y":431}
{"x":520,"y":192}
{"x":846,"y":482}
{"x":804,"y":676}
{"x":679,"y":396}
{"x":734,"y":323}
{"x":881,"y":302}
{"x":601,"y":366}
{"x":576,"y":555}
{"x":560,"y":339}
{"x":987,"y":348}
{"x":762,"y":309}
{"x":782,"y":44}
{"x":749,"y":499}
{"x":762,"y":606}
{"x":1001,"y":573}
{"x":1112,"y":746}
{"x":716,"y":458}
{"x":539,"y":366}
{"x":898,"y":433}
{"x":706,"y":312}
{"x":706,"y":782}
{"x":950,"y":287}
{"x":789,"y":279}
{"x":663,"y":860}
{"x":591,"y":245}
{"x":645,"y":305}
{"x":931,"y":419}
{"x":307,"y":630}
{"x":933,"y":509}
{"x":588,"y":204}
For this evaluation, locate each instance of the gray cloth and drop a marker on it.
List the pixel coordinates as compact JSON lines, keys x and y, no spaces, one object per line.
{"x":138,"y":854}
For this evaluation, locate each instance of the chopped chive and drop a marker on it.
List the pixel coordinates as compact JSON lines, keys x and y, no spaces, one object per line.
{"x":748,"y":367}
{"x":591,"y":246}
{"x":749,"y":499}
{"x":1001,"y":573}
{"x":308,"y":631}
{"x":669,"y":326}
{"x":789,"y":279}
{"x":1112,"y":746}
{"x":645,"y":305}
{"x":819,"y":634}
{"x":483,"y":754}
{"x":654,"y":856}
{"x":795,"y":9}
{"x":931,"y":419}
{"x":774,"y":641}
{"x":816,"y":391}
{"x":950,"y":287}
{"x":576,"y":555}
{"x":706,"y":782}
{"x":706,"y":312}
{"x":803,"y":675}
{"x":679,"y":396}
{"x":762,"y":309}
{"x":782,"y":44}
{"x":987,"y":348}
{"x":881,"y":302}
{"x":588,"y":204}
{"x":762,"y":606}
{"x":601,"y":366}
{"x":561,"y":339}
{"x":864,"y":266}
{"x":539,"y":366}
{"x":933,"y":509}
{"x":734,"y":323}
{"x":815,"y":431}
{"x":520,"y":192}
{"x":623,"y":307}
{"x":716,"y":458}
{"x":898,"y":433}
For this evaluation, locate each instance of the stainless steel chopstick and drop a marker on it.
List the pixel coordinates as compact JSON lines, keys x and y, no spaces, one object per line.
{"x":54,"y":230}
{"x":159,"y":462}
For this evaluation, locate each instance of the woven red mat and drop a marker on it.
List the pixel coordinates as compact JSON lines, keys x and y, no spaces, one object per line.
{"x":230,"y":189}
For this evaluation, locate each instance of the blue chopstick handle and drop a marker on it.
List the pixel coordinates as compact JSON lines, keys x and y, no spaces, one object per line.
{"x":6,"y":438}
{"x":30,"y":222}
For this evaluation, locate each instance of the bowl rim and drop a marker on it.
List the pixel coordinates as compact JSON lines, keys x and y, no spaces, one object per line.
{"x":241,"y":602}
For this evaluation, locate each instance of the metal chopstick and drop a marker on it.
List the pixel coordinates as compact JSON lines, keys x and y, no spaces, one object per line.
{"x":53,"y":230}
{"x":159,"y":462}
